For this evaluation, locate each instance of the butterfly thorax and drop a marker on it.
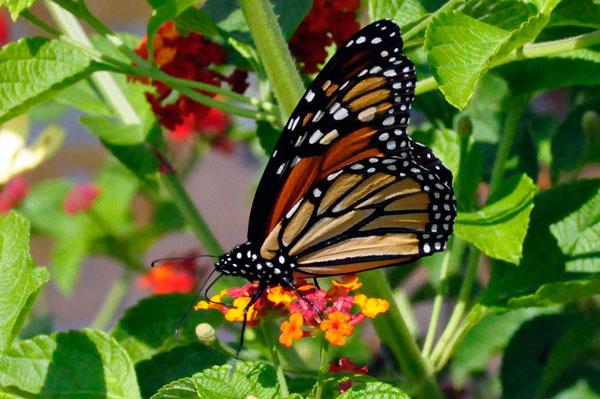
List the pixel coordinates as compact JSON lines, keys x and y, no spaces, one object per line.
{"x":244,"y":261}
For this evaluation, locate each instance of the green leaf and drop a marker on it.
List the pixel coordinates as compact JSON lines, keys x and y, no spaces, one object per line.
{"x":488,"y":338}
{"x":504,"y":14}
{"x":577,"y":67}
{"x":148,"y":327}
{"x":584,"y":13}
{"x":83,"y":96}
{"x":181,"y":389}
{"x":179,"y":362}
{"x":374,"y":390}
{"x":21,"y":280}
{"x":16,"y":6}
{"x":542,"y":278}
{"x":403,"y":12}
{"x":34,"y":70}
{"x":86,"y":364}
{"x":195,"y":20}
{"x":248,"y":378}
{"x":498,"y":229}
{"x":459,"y":49}
{"x":267,"y":136}
{"x":67,"y":255}
{"x":117,"y":188}
{"x":445,"y":145}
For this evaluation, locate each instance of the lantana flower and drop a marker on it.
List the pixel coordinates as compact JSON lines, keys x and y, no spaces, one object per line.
{"x":4,"y":28}
{"x":172,"y":276}
{"x":346,"y":365}
{"x":187,"y":57}
{"x":16,"y":156}
{"x":12,"y":193}
{"x":341,"y":310}
{"x":316,"y":31}
{"x":81,"y":198}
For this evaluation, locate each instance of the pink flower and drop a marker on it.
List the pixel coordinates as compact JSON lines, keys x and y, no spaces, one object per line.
{"x":81,"y":198}
{"x":4,"y":28}
{"x":12,"y":194}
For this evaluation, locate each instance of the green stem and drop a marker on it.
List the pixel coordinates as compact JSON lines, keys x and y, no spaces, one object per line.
{"x":394,"y":333}
{"x":437,"y":303}
{"x":323,"y":370}
{"x":274,"y":54}
{"x":533,"y":50}
{"x":459,"y":309}
{"x":423,"y":24}
{"x":275,"y":359}
{"x":113,"y":301}
{"x":190,"y":213}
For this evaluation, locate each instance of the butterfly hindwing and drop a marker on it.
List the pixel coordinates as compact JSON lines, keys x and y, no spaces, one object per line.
{"x":357,"y":107}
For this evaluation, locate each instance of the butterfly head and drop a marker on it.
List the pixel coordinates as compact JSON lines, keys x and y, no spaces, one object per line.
{"x":244,"y":261}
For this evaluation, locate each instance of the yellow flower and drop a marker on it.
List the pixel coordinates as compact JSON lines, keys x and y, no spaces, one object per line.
{"x":209,"y":305}
{"x":237,"y":312}
{"x":349,"y":281}
{"x":279,"y":295}
{"x":371,"y":307}
{"x":292,"y":330}
{"x":337,"y":328}
{"x":15,"y":156}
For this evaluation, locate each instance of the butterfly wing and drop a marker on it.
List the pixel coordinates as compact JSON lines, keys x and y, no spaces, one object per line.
{"x":372,"y":213}
{"x":357,"y":107}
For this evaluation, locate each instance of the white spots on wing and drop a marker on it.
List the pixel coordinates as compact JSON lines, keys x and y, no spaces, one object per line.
{"x":392,"y":168}
{"x":426,"y":248}
{"x":340,"y":114}
{"x":375,"y":69}
{"x":388,"y":121}
{"x":371,"y":170}
{"x":350,"y":43}
{"x":356,"y":166}
{"x":438,"y":246}
{"x":361,"y":39}
{"x":363,"y":72}
{"x":316,"y":136}
{"x":398,"y":132}
{"x":406,"y":69}
{"x":329,"y":137}
{"x":376,"y":40}
{"x":318,"y":116}
{"x":291,"y":213}
{"x":367,"y":115}
{"x":310,"y":95}
{"x":281,"y":168}
{"x":384,"y":53}
{"x":388,"y":161}
{"x":238,"y":255}
{"x":403,"y":107}
{"x":373,"y":160}
{"x":334,"y":175}
{"x":296,"y":160}
{"x":281,"y":259}
{"x":317,"y":193}
{"x":384,"y":136}
{"x":334,"y":108}
{"x":342,"y":87}
{"x":326,"y":85}
{"x":300,"y":140}
{"x":293,"y":123}
{"x":391,"y":145}
{"x":409,"y":84}
{"x":397,"y":85}
{"x":392,"y":34}
{"x":277,"y":271}
{"x":389,"y":73}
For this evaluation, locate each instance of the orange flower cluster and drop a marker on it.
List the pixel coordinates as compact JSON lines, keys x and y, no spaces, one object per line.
{"x":342,"y":311}
{"x":171,"y":276}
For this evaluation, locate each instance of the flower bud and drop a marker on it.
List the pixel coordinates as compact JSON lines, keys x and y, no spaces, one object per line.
{"x":206,"y":334}
{"x":464,"y":127}
{"x":590,"y":123}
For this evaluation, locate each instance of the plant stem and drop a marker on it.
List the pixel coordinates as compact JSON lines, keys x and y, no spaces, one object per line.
{"x":275,"y":359}
{"x":113,"y":301}
{"x":394,"y":333}
{"x":423,"y":24}
{"x":274,"y":54}
{"x":532,"y":50}
{"x":322,"y":367}
{"x":437,"y":303}
{"x":190,"y":213}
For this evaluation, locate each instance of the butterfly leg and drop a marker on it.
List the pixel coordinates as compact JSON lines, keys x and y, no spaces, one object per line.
{"x":316,"y":283}
{"x":301,"y":295}
{"x":255,"y":298}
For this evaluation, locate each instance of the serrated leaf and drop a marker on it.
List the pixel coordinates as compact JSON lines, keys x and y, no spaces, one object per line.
{"x":177,"y":363}
{"x":541,"y":278}
{"x":34,"y":70}
{"x":83,"y":96}
{"x":181,"y":389}
{"x":459,"y":49}
{"x":498,"y":229}
{"x":66,"y":258}
{"x":117,"y":188}
{"x":402,"y":12}
{"x":16,"y":6}
{"x":248,"y":378}
{"x":374,"y":390}
{"x":584,"y":13}
{"x":78,"y":364}
{"x":22,"y":280}
{"x":195,"y":20}
{"x":504,"y":14}
{"x":149,"y":326}
{"x":577,"y":67}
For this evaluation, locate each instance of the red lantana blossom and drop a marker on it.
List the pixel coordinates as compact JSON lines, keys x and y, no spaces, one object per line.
{"x":4,"y":28}
{"x":81,"y":198}
{"x":187,"y":57}
{"x":171,"y":276}
{"x":346,"y":365}
{"x":328,"y":21}
{"x":336,"y":305}
{"x":14,"y":191}
{"x":211,"y":126}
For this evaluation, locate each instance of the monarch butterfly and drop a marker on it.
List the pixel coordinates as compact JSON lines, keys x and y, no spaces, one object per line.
{"x":346,"y":189}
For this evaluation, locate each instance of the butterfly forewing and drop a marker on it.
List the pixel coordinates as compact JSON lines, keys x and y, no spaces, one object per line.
{"x":357,"y":107}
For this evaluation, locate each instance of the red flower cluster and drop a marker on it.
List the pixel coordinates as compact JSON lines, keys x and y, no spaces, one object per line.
{"x":81,"y":198}
{"x":171,"y":276}
{"x":4,"y":28}
{"x":346,"y":365}
{"x":328,"y":21}
{"x":187,"y":58}
{"x":212,"y":126}
{"x":336,"y":304}
{"x":12,"y":194}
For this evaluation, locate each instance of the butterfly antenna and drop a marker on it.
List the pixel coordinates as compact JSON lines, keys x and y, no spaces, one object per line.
{"x":189,"y":309}
{"x":154,"y":262}
{"x":255,"y":298}
{"x":208,"y":289}
{"x":301,"y":295}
